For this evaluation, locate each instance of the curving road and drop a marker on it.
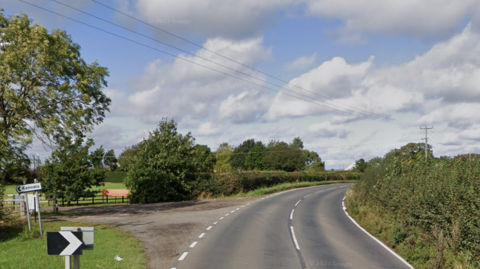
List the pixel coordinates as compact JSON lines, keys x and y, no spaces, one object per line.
{"x":302,"y":228}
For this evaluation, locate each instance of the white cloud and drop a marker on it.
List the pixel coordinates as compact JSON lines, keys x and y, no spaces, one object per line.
{"x":302,"y":62}
{"x":226,"y":18}
{"x":181,"y":89}
{"x":207,"y":129}
{"x":327,"y":130}
{"x":415,"y":18}
{"x":248,"y":106}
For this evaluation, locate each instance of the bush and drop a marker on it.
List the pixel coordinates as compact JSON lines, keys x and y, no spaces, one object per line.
{"x":434,"y":199}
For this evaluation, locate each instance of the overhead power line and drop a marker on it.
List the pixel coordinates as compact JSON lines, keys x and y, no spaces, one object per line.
{"x":312,"y":100}
{"x":239,"y":63}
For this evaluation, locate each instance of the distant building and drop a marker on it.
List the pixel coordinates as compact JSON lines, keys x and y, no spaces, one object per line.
{"x":351,"y":167}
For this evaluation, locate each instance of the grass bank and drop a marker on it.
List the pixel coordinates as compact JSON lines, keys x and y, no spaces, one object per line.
{"x":279,"y":188}
{"x":20,"y":248}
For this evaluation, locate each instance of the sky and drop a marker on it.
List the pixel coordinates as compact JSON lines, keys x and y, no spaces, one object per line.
{"x":352,"y":79}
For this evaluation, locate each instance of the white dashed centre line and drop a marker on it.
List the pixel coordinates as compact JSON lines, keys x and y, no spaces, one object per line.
{"x":294,"y":239}
{"x":306,"y":196}
{"x":193,"y":244}
{"x":238,"y":208}
{"x":183,"y":256}
{"x":226,"y":214}
{"x":201,"y":235}
{"x":209,"y":227}
{"x":291,"y":214}
{"x":298,"y":202}
{"x":221,"y":218}
{"x":215,"y":223}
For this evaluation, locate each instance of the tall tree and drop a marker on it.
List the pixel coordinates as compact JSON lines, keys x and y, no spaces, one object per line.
{"x":239,"y":155}
{"x":46,"y":89}
{"x":128,"y":157}
{"x":164,"y":167}
{"x":69,"y":172}
{"x":254,"y":160}
{"x":97,"y":157}
{"x":206,"y":159}
{"x":223,"y":155}
{"x":110,"y":160}
{"x":281,"y":156}
{"x":313,"y":162}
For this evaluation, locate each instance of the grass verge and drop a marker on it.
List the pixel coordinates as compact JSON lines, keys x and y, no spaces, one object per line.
{"x":283,"y":187}
{"x":20,"y":248}
{"x":11,"y":189}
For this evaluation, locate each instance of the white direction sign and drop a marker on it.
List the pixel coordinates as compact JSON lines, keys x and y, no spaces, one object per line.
{"x":29,"y":187}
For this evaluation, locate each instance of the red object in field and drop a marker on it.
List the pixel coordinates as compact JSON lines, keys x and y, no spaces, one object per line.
{"x":110,"y":192}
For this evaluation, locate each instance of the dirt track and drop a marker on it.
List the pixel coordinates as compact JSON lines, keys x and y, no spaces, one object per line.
{"x":165,"y":229}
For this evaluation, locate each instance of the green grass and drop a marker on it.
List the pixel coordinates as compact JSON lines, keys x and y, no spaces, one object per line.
{"x":287,"y":186}
{"x":19,"y":248}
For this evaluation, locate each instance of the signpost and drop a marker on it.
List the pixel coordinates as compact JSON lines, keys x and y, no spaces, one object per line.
{"x":29,"y":188}
{"x":70,"y":241}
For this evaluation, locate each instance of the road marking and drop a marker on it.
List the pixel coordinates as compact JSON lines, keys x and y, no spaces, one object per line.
{"x":248,"y":203}
{"x":298,"y":202}
{"x":291,"y":214}
{"x":201,"y":235}
{"x":306,"y":196}
{"x":183,"y":256}
{"x":232,"y":211}
{"x":215,"y":223}
{"x":294,"y":239}
{"x":221,"y":218}
{"x":238,"y":208}
{"x":374,"y":238}
{"x":193,"y":244}
{"x":226,"y":214}
{"x":209,"y":227}
{"x":242,"y":206}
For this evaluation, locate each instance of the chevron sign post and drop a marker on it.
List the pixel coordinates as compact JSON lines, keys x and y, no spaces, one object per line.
{"x":64,"y":243}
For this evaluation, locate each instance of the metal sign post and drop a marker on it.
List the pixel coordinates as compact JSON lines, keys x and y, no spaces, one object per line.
{"x":29,"y":188}
{"x":66,"y":243}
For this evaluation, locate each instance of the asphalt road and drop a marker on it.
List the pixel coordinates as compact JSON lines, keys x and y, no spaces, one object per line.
{"x":303,"y":228}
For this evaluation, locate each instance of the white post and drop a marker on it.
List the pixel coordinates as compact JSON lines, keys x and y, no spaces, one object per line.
{"x":28,"y":210}
{"x":68,"y":264}
{"x":38,"y":208}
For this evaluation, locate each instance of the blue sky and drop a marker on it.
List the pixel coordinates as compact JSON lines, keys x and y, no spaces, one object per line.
{"x":414,"y":62}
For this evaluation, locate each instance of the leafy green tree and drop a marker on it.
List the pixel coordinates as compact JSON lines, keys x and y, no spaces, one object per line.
{"x":46,"y":89}
{"x":297,"y":143}
{"x":361,"y":165}
{"x":206,"y":159}
{"x":110,"y":160}
{"x":282,"y":156}
{"x":128,"y":157}
{"x":254,"y":160}
{"x":97,"y":157}
{"x":69,"y":172}
{"x":222,"y":155}
{"x":413,"y":151}
{"x":239,"y":155}
{"x":164,"y":167}
{"x":313,"y":162}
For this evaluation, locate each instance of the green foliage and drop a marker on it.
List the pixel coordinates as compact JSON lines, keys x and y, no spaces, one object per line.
{"x":222,"y":155}
{"x":71,"y":170}
{"x":433,"y":199}
{"x":255,"y":158}
{"x":206,"y":159}
{"x":313,"y":162}
{"x":97,"y":156}
{"x":281,"y":156}
{"x":361,"y":165}
{"x":239,"y":155}
{"x":128,"y":157}
{"x":115,"y":177}
{"x":227,"y":184}
{"x":46,"y":90}
{"x":110,"y":160}
{"x":163,"y":167}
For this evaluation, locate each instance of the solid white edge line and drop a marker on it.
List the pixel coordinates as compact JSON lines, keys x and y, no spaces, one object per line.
{"x":193,"y":244}
{"x":201,"y":235}
{"x":294,"y":239}
{"x":378,"y":241}
{"x":291,"y":214}
{"x":298,"y":202}
{"x":209,"y":227}
{"x":183,"y":256}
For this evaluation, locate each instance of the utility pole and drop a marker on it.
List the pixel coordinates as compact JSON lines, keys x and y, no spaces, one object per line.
{"x":426,"y":139}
